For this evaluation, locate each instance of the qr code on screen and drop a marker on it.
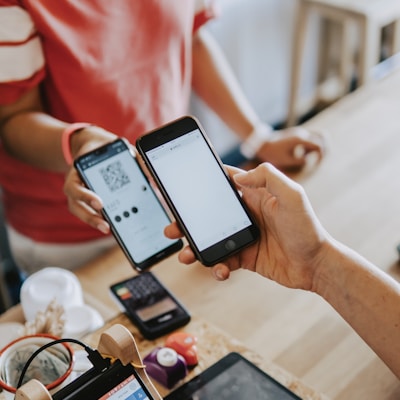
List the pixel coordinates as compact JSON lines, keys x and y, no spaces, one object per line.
{"x":114,"y":176}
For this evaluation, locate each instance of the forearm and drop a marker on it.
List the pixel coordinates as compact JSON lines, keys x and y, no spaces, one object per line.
{"x":215,"y":83}
{"x":367,"y":298}
{"x":35,"y":138}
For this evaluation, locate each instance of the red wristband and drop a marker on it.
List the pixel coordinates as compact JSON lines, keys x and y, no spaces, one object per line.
{"x":65,"y":139}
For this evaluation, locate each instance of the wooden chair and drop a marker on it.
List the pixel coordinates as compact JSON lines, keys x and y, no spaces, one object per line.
{"x":368,"y":18}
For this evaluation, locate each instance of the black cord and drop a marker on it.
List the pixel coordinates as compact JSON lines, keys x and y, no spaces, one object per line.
{"x":100,"y":363}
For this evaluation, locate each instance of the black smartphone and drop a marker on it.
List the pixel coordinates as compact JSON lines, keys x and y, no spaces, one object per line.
{"x":131,"y":206}
{"x":149,"y":305}
{"x":204,"y":201}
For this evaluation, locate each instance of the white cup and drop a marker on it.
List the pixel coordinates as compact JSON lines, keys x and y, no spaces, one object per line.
{"x":46,"y":285}
{"x":13,"y":351}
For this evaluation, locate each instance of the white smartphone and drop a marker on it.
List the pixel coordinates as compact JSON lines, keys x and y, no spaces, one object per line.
{"x":204,"y":201}
{"x":131,"y":207}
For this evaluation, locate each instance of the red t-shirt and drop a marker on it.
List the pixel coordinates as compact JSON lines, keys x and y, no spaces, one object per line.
{"x":123,"y":65}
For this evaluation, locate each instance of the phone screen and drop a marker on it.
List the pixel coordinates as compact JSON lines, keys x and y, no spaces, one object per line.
{"x":131,"y":207}
{"x":196,"y":185}
{"x":190,"y":155}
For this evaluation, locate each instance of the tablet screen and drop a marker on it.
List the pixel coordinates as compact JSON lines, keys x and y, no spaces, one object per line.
{"x":233,"y":378}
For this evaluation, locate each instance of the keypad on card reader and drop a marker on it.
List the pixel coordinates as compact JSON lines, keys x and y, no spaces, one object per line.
{"x":145,"y":290}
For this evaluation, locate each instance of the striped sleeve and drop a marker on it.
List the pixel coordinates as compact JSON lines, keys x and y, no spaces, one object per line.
{"x":205,"y":10}
{"x":21,"y":54}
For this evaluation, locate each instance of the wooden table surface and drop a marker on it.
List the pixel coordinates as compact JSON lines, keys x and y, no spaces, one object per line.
{"x":355,"y":191}
{"x":212,"y":345}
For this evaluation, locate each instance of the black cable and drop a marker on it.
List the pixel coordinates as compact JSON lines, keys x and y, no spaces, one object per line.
{"x":100,"y":363}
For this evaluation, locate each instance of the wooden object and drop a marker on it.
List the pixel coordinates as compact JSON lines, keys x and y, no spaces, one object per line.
{"x":369,"y":18}
{"x":33,"y":390}
{"x":118,"y":342}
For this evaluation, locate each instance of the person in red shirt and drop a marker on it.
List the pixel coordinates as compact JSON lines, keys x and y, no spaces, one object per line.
{"x":123,"y":69}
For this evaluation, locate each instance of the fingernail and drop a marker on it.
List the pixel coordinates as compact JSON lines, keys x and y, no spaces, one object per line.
{"x":299,"y":151}
{"x":219,"y":275}
{"x":96,"y":204}
{"x":103,"y":228}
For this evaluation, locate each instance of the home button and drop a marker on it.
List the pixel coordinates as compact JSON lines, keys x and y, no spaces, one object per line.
{"x":230,"y":245}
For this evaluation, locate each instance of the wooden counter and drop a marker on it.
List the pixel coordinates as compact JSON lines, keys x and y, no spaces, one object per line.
{"x":212,"y":345}
{"x":356,"y":193}
{"x":213,"y":342}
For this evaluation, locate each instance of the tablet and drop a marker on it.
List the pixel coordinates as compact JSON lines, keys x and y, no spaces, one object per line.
{"x":234,"y":378}
{"x":118,"y":382}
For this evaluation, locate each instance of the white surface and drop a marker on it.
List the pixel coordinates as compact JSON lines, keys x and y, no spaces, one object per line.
{"x":49,"y":284}
{"x":81,"y":320}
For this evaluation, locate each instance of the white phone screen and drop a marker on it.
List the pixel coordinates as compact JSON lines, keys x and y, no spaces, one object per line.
{"x":198,"y":188}
{"x":130,"y":203}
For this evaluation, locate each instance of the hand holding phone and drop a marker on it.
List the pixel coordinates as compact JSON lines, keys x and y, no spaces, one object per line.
{"x":204,"y":201}
{"x":131,"y":207}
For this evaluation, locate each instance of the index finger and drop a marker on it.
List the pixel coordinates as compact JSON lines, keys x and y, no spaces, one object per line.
{"x":266,"y":176}
{"x":232,"y":171}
